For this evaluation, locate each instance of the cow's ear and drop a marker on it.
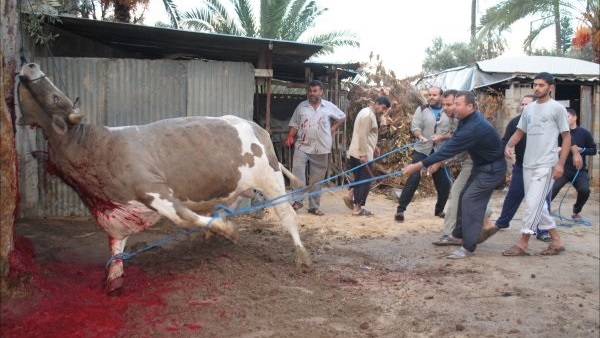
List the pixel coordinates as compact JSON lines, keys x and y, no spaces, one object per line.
{"x":59,"y":124}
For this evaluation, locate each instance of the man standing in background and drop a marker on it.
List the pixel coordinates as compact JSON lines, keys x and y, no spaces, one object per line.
{"x":363,"y":148}
{"x":582,"y":144}
{"x":310,"y":123}
{"x":430,"y":126}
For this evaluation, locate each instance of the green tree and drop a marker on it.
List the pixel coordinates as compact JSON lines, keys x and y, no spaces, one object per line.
{"x":440,"y":56}
{"x":276,"y":19}
{"x":549,"y":12}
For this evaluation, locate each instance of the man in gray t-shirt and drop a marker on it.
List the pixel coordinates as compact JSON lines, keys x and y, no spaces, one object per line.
{"x":542,"y":121}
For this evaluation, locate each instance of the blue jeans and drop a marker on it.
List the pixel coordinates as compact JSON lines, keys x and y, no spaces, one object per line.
{"x":513,"y":199}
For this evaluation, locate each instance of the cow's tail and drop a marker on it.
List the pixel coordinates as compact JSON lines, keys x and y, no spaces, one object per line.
{"x":296,"y":183}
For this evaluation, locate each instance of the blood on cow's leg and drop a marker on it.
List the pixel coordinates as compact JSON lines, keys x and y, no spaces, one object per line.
{"x":115,"y":273}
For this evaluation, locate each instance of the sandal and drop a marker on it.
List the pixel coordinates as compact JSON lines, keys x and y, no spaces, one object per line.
{"x":349,"y":203}
{"x":316,"y":211}
{"x":515,"y":251}
{"x":363,"y":212}
{"x":447,"y":240}
{"x":297,"y":205}
{"x":552,"y":250}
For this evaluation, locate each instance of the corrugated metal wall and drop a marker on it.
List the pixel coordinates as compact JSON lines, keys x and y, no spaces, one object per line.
{"x":117,"y":92}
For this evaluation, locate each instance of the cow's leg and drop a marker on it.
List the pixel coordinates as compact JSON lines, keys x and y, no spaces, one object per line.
{"x":114,"y":274}
{"x":174,"y":210}
{"x":289,"y":220}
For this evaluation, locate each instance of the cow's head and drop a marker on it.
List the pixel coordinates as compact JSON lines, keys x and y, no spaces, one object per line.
{"x":43,"y":104}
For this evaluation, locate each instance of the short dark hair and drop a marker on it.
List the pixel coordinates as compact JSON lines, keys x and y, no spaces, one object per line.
{"x":468,"y":95}
{"x":572,"y":112}
{"x":438,"y":88}
{"x":383,"y":100}
{"x":316,"y":83}
{"x":450,"y":92}
{"x":547,"y":77}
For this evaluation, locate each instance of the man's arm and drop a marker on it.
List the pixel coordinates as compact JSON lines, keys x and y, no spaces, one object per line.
{"x":290,"y":138}
{"x":416,"y":125}
{"x":559,"y":168}
{"x":337,"y":124}
{"x":509,"y":151}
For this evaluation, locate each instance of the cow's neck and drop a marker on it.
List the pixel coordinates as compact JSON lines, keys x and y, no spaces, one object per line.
{"x":79,"y":142}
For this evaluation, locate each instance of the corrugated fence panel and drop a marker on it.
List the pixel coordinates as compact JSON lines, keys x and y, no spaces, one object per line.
{"x":217,"y":88}
{"x":144,"y":91}
{"x":118,"y":92}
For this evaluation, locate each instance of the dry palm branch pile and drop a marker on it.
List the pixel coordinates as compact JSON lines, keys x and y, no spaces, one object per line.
{"x":395,"y":130}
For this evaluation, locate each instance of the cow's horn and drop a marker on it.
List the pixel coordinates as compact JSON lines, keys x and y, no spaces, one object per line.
{"x":75,"y":118}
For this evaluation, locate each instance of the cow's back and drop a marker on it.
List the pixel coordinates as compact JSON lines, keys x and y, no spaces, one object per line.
{"x":199,"y":157}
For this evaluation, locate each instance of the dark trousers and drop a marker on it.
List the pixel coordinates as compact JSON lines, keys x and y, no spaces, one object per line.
{"x":513,"y":199}
{"x":361,"y":191}
{"x":440,"y":181}
{"x":581,"y":184}
{"x":474,"y":199}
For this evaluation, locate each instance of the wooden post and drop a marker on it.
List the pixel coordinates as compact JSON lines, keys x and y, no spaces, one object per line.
{"x":8,"y":153}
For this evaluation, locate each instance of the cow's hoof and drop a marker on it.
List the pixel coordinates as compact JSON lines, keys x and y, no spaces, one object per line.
{"x":303,"y":259}
{"x":227,"y":229}
{"x":114,"y":286}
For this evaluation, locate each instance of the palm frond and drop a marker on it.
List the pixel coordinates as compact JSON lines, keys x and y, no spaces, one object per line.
{"x":173,"y":13}
{"x":331,"y":40}
{"x":272,"y":13}
{"x":246,"y":18}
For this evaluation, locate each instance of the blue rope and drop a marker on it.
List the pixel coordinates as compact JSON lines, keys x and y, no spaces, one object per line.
{"x":127,"y":255}
{"x":569,"y":222}
{"x":216,"y":214}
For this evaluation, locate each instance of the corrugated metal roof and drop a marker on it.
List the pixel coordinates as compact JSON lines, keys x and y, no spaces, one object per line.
{"x":166,"y":43}
{"x":493,"y":71}
{"x":557,"y":66}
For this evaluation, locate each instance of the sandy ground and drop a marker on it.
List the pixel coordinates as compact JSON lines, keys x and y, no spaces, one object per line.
{"x":372,"y":277}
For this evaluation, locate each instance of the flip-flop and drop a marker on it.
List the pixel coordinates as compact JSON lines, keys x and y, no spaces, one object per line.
{"x":552,"y":250}
{"x":363,"y":212}
{"x":349,"y":203}
{"x":515,"y":251}
{"x":297,"y":206}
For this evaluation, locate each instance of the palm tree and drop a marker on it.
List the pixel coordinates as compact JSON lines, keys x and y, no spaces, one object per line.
{"x":473,"y":19}
{"x":278,"y":19}
{"x":504,"y":14}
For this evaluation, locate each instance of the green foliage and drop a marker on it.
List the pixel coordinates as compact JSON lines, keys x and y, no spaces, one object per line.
{"x":543,"y":14}
{"x":33,"y":27}
{"x":440,"y":56}
{"x":277,"y":19}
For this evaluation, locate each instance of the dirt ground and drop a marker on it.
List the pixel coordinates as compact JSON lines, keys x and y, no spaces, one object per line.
{"x":372,"y":277}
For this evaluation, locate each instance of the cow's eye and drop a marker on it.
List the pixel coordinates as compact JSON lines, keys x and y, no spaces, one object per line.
{"x":55,"y":98}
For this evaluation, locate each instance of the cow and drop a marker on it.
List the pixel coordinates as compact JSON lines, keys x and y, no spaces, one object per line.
{"x":180,"y":168}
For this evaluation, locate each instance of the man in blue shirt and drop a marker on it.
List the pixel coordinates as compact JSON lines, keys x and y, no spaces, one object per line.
{"x":582,"y":144}
{"x":479,"y":138}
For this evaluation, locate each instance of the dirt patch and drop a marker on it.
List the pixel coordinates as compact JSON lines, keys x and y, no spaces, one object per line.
{"x":372,"y":278}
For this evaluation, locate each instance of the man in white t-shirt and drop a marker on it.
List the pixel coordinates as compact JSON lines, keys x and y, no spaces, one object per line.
{"x":542,"y":121}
